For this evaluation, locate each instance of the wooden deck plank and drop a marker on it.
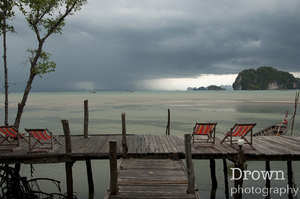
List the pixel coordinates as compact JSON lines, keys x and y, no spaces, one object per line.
{"x":96,"y":147}
{"x":152,"y":178}
{"x":282,"y":144}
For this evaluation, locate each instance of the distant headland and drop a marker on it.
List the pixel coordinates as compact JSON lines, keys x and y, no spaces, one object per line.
{"x":265,"y":78}
{"x":211,"y":87}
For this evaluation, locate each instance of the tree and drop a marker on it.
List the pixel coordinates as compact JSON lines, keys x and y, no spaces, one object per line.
{"x":6,"y":13}
{"x":44,"y":17}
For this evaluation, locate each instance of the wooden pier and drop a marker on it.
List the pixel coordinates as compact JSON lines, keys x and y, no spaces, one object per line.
{"x":158,"y":147}
{"x":152,"y":178}
{"x":144,"y":147}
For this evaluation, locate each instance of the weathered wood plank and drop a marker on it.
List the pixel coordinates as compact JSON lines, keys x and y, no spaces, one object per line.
{"x":155,"y":146}
{"x":152,"y":178}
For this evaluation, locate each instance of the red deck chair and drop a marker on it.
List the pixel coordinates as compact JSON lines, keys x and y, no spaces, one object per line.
{"x":9,"y":136}
{"x":239,"y":131}
{"x":41,"y":140}
{"x":204,"y":129}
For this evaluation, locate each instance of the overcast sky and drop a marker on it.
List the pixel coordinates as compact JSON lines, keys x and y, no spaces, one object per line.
{"x":140,"y":44}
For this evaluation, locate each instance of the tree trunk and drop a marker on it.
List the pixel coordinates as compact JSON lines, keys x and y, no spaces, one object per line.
{"x":28,"y":85}
{"x":24,"y":99}
{"x":5,"y":70}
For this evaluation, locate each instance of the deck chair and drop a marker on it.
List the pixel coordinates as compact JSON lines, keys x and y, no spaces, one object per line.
{"x":239,"y":131}
{"x":9,"y":136}
{"x":207,"y":130}
{"x":41,"y":140}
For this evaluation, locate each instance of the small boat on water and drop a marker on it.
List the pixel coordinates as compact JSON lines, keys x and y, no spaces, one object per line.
{"x":276,"y":129}
{"x":273,"y":130}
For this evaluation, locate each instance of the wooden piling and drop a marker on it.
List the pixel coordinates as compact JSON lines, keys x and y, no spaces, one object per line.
{"x":168,"y":123}
{"x":17,"y":168}
{"x":68,"y":165}
{"x":213,"y":176}
{"x":90,"y":177}
{"x":68,"y":144}
{"x":239,"y":164}
{"x":226,"y":178}
{"x":295,"y":112}
{"x":86,"y":119}
{"x":268,"y":181}
{"x":69,"y":176}
{"x":290,"y":177}
{"x":189,"y":164}
{"x":113,"y":168}
{"x":124,"y":140}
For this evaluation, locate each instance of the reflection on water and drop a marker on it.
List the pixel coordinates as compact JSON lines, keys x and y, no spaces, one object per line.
{"x":146,"y":113}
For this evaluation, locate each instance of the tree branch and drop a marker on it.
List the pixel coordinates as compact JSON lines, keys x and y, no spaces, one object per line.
{"x":60,"y":20}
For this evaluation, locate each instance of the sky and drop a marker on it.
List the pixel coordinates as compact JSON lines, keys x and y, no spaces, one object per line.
{"x":161,"y":44}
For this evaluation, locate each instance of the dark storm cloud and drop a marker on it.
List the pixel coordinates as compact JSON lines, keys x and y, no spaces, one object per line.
{"x":115,"y":44}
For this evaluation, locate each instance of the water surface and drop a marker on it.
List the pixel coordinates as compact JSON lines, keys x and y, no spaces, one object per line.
{"x":146,"y":113}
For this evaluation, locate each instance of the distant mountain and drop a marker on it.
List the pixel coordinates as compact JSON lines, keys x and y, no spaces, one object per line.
{"x":211,"y":87}
{"x":265,"y":78}
{"x":226,"y":87}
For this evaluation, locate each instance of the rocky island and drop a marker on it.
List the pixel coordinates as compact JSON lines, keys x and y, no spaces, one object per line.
{"x":265,"y":78}
{"x":211,"y":88}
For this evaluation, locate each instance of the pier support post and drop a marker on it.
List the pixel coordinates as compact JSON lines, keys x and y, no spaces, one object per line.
{"x":86,"y":119}
{"x":189,"y":164}
{"x":90,"y":178}
{"x":290,"y":177}
{"x":113,"y":168}
{"x":169,"y":123}
{"x":214,"y":181}
{"x":239,"y":164}
{"x":225,"y":170}
{"x":124,"y":140}
{"x":68,"y":165}
{"x":268,"y":181}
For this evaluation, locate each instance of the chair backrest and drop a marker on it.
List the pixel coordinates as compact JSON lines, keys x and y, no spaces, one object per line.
{"x":204,"y":128}
{"x":241,"y":129}
{"x":9,"y":131}
{"x":39,"y":134}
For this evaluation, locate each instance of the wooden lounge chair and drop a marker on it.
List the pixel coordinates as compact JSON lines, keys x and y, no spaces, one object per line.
{"x":41,"y":140}
{"x":9,"y":137}
{"x":239,"y":131}
{"x":208,"y":130}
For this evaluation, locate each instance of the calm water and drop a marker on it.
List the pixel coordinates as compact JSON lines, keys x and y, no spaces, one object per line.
{"x":146,"y":113}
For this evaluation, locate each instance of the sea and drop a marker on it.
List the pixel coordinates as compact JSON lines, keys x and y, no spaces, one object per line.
{"x":146,"y":113}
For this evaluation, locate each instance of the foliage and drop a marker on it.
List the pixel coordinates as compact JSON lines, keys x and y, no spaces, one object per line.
{"x":215,"y":88}
{"x":44,"y":65}
{"x":14,"y":186}
{"x":211,"y":87}
{"x":262,"y":79}
{"x":6,"y":13}
{"x":46,"y":17}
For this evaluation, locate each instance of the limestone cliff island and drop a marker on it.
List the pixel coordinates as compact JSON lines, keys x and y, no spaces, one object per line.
{"x":265,"y":78}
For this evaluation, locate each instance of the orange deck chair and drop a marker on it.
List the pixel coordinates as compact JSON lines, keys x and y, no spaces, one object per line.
{"x":41,"y":140}
{"x":9,"y":136}
{"x":239,"y":131}
{"x":204,"y":129}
